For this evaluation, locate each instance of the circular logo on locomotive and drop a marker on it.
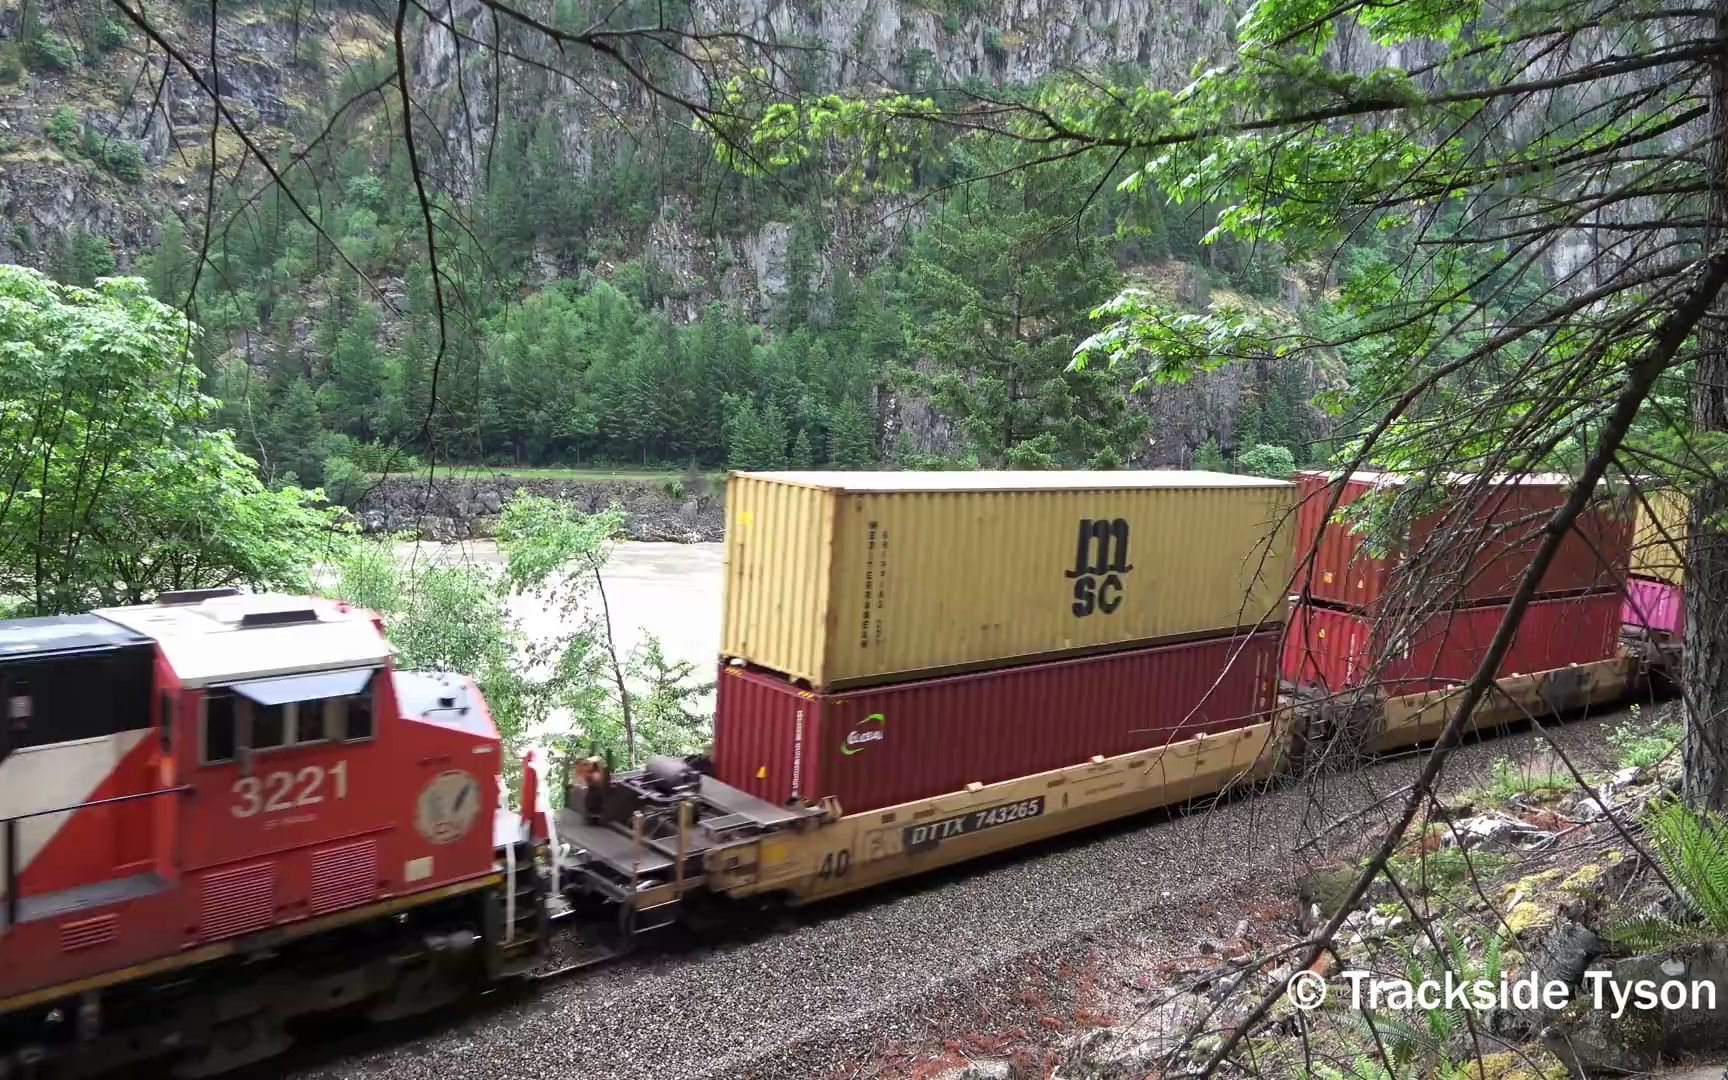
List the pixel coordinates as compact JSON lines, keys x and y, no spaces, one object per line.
{"x":447,"y":806}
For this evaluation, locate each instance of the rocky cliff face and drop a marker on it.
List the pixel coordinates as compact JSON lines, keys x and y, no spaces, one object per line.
{"x":279,"y":73}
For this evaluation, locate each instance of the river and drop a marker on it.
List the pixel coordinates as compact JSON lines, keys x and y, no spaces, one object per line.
{"x":669,"y":591}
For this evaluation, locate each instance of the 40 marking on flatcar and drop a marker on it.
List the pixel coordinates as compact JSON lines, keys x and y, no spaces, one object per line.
{"x":931,"y":833}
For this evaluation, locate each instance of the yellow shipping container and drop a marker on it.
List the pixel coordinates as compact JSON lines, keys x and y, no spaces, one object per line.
{"x":1659,"y":544}
{"x":847,"y":579}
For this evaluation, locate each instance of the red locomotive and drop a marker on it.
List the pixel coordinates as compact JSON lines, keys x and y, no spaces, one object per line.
{"x":221,"y":812}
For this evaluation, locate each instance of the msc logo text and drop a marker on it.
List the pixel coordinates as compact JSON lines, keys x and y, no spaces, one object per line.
{"x":1100,"y":563}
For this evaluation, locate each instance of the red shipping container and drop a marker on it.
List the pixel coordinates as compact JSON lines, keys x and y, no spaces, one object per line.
{"x":1655,"y":605}
{"x":885,"y":745}
{"x":1333,"y":650}
{"x":1508,"y":519}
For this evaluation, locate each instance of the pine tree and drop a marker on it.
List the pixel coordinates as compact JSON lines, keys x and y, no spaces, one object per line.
{"x":1208,"y":458}
{"x":357,"y":376}
{"x":851,"y":438}
{"x":802,"y":457}
{"x":170,"y":266}
{"x":1004,"y":281}
{"x":81,"y":260}
{"x":294,"y":438}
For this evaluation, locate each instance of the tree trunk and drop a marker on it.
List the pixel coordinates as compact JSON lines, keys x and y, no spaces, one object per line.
{"x":1705,"y":679}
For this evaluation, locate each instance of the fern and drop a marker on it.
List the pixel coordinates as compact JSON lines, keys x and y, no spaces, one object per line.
{"x":1692,"y":848}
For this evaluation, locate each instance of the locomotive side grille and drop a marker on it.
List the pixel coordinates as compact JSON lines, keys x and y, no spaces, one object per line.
{"x":88,"y":933}
{"x":344,"y":876}
{"x":238,"y":901}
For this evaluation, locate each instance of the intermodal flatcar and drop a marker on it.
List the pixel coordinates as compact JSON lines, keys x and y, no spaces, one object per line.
{"x":223,"y":814}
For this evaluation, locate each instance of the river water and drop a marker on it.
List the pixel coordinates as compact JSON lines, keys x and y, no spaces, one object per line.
{"x":670,"y":591}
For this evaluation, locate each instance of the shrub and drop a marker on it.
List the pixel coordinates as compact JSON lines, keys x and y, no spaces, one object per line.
{"x":11,"y":68}
{"x":49,"y":52}
{"x":111,"y":36}
{"x":63,"y":128}
{"x":1638,"y":745}
{"x":1267,"y":459}
{"x":123,"y":158}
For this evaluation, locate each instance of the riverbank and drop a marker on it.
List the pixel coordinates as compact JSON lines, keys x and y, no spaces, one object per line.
{"x":464,"y":505}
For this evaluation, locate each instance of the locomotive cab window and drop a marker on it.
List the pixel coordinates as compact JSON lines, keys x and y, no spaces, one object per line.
{"x":356,"y":716}
{"x":221,"y":736}
{"x":270,"y":714}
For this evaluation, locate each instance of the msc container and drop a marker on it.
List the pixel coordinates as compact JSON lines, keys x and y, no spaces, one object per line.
{"x":1429,"y":553}
{"x":850,"y":579}
{"x":1655,"y":605}
{"x":1334,"y":650}
{"x":886,"y":745}
{"x":1658,"y":545}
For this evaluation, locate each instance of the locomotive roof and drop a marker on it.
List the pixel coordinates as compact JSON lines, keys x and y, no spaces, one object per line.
{"x":49,"y":634}
{"x":229,"y":638}
{"x":1008,"y":480}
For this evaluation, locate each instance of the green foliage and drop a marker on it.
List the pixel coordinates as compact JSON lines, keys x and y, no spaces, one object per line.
{"x":664,"y":711}
{"x":567,"y":687}
{"x":438,"y":617}
{"x":755,"y":439}
{"x":119,"y":491}
{"x":49,"y":52}
{"x":1508,"y":779}
{"x":112,"y":35}
{"x":82,"y":259}
{"x":1692,"y":847}
{"x":1208,"y":458}
{"x":170,"y":267}
{"x":1638,"y":745}
{"x":1264,"y":459}
{"x":11,"y":65}
{"x":1415,"y":1042}
{"x":1445,"y":869}
{"x":63,"y":129}
{"x":123,"y":158}
{"x":1000,"y":280}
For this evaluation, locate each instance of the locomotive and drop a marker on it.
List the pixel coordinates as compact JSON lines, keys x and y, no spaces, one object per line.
{"x":223,"y":814}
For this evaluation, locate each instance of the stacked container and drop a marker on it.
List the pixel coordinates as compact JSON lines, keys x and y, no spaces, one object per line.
{"x":1412,"y":604}
{"x":895,"y":636}
{"x":1655,"y":600}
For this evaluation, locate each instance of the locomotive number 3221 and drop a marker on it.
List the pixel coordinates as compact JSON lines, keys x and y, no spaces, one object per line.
{"x":280,"y":791}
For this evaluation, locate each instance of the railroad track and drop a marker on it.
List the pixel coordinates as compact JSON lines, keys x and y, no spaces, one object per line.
{"x":794,"y":997}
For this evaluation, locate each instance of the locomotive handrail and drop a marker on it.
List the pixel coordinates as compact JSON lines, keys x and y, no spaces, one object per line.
{"x":9,"y":826}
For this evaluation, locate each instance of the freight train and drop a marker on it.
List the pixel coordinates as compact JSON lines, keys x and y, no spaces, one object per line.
{"x":222,"y":815}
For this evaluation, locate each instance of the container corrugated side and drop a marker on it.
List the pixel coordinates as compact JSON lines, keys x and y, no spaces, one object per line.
{"x":1334,"y":650}
{"x":1506,"y":523}
{"x":779,"y":568}
{"x":886,"y":745}
{"x":841,"y":587}
{"x":1655,"y":605}
{"x":1658,"y":545}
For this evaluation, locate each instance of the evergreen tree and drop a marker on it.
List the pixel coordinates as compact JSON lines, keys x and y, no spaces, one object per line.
{"x":171,"y":265}
{"x":358,"y":374}
{"x":294,"y":438}
{"x":83,"y":259}
{"x":1208,"y":458}
{"x":1004,"y":280}
{"x":851,"y":438}
{"x":802,"y":457}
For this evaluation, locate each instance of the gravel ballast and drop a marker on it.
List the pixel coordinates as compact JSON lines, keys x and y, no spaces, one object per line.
{"x":846,"y":981}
